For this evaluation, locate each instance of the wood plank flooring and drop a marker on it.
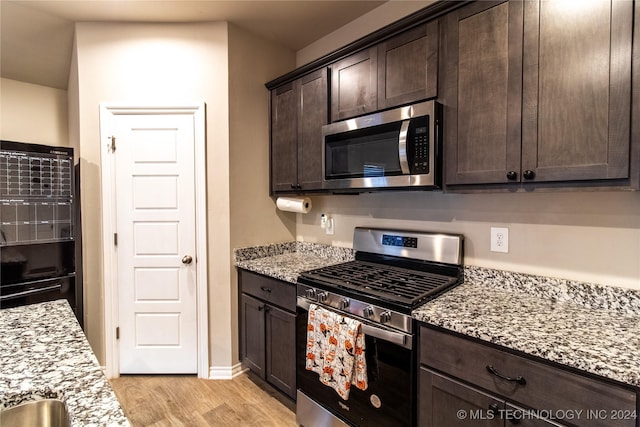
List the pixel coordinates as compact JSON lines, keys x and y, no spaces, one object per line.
{"x":176,"y":400}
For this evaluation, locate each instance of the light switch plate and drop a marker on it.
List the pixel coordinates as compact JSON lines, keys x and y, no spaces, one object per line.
{"x":500,"y":239}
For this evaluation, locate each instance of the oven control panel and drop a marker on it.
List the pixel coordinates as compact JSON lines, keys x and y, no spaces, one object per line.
{"x":354,"y":308}
{"x":399,"y":241}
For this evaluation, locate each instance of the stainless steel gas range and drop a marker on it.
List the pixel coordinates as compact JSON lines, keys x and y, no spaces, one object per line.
{"x":395,"y":272}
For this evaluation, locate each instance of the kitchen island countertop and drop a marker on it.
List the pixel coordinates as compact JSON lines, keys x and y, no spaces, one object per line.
{"x":44,"y":354}
{"x":593,"y":328}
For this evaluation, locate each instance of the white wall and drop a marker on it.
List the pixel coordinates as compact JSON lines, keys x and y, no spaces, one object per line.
{"x":147,"y":64}
{"x":226,"y":68}
{"x":586,"y":236}
{"x":33,"y":113}
{"x":254,"y":218}
{"x":379,"y":17}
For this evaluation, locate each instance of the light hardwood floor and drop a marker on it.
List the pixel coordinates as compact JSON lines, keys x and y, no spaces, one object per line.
{"x":189,"y":401}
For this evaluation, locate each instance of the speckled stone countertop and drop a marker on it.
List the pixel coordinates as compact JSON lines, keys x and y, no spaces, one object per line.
{"x":44,"y":354}
{"x":285,"y":261}
{"x":593,"y":328}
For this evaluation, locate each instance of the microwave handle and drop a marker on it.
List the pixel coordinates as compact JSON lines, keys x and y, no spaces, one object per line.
{"x":402,"y":147}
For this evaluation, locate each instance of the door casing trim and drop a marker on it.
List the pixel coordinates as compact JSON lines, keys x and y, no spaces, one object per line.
{"x":109,"y":258}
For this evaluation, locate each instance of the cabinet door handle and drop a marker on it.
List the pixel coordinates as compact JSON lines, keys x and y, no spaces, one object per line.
{"x":512,"y":175}
{"x":265,"y":289}
{"x":529,"y":174}
{"x":519,"y":379}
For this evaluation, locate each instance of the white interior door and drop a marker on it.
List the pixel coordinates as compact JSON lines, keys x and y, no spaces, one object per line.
{"x":156,"y":238}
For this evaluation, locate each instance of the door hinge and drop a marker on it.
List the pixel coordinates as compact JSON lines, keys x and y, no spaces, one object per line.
{"x":113,"y":143}
{"x":115,"y":239}
{"x":117,"y":332}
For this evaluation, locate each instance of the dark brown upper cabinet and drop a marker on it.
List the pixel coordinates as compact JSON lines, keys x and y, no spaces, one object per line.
{"x":577,"y":90}
{"x":408,"y":66}
{"x":482,"y":92}
{"x":298,"y":112}
{"x":537,"y":92}
{"x":354,"y":85}
{"x":400,"y":70}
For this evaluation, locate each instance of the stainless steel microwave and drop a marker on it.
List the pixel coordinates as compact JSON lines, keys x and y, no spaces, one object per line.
{"x":390,"y":149}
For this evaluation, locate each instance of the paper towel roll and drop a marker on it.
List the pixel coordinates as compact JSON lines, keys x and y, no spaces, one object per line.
{"x":294,"y":204}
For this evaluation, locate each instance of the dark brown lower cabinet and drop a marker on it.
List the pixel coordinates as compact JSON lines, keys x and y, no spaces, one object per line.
{"x":446,"y":402}
{"x":470,"y":383}
{"x":267,"y":329}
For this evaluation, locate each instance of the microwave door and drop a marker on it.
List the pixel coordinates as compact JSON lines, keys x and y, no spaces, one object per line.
{"x":366,"y":158}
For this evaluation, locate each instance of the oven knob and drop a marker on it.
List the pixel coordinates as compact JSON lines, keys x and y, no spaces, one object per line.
{"x":385,"y":317}
{"x":367,"y":312}
{"x":310,"y":293}
{"x":322,"y":296}
{"x":343,"y":304}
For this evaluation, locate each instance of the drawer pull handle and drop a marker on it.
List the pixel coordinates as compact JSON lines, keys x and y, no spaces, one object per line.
{"x":519,"y":379}
{"x":265,"y":289}
{"x":493,"y":409}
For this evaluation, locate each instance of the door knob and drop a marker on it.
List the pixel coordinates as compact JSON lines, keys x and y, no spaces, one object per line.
{"x":187,"y":259}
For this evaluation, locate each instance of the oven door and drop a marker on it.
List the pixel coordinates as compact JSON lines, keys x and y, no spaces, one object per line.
{"x":388,"y":400}
{"x":25,"y":293}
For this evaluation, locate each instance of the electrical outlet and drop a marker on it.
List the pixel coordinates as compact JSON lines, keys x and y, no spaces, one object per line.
{"x":329,"y":228}
{"x":499,"y":239}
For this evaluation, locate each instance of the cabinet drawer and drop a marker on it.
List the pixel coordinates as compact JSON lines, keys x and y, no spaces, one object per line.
{"x":543,"y":387}
{"x":274,"y":291}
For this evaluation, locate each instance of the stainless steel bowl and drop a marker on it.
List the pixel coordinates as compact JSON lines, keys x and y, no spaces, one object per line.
{"x":38,"y":413}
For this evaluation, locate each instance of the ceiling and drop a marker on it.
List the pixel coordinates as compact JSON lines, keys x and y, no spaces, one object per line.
{"x":37,"y":36}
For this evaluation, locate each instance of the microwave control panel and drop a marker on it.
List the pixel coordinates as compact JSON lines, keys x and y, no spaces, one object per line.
{"x":419,"y":137}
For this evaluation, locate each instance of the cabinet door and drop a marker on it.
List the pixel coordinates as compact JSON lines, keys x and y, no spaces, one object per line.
{"x":515,"y":416}
{"x":354,"y":85}
{"x":313,"y":115}
{"x":252,"y":334}
{"x":481,"y":89}
{"x":577,"y":90}
{"x":408,"y":66}
{"x":284,"y":138}
{"x":446,"y":402}
{"x":281,"y":349}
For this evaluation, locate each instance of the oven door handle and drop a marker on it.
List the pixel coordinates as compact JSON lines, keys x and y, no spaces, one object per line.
{"x":403,"y":340}
{"x":398,"y":338}
{"x":56,"y":287}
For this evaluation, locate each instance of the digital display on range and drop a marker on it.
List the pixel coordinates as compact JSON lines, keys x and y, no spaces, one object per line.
{"x":399,"y":241}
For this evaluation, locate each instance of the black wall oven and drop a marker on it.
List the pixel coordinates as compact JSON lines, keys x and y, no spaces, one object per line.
{"x":37,"y":225}
{"x":394,"y":272}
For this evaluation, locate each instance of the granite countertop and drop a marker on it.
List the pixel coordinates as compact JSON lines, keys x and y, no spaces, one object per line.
{"x":593,"y":328}
{"x":44,"y":354}
{"x":285,"y":261}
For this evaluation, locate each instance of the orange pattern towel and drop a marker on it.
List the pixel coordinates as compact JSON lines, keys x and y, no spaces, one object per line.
{"x":335,"y":350}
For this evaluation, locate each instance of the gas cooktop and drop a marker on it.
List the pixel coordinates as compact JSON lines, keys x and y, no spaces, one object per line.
{"x":406,"y":287}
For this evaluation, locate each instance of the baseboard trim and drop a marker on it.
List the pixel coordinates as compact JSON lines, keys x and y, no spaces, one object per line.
{"x":226,"y":372}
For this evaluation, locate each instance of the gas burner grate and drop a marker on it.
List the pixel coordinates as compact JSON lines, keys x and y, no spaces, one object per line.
{"x":400,"y":285}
